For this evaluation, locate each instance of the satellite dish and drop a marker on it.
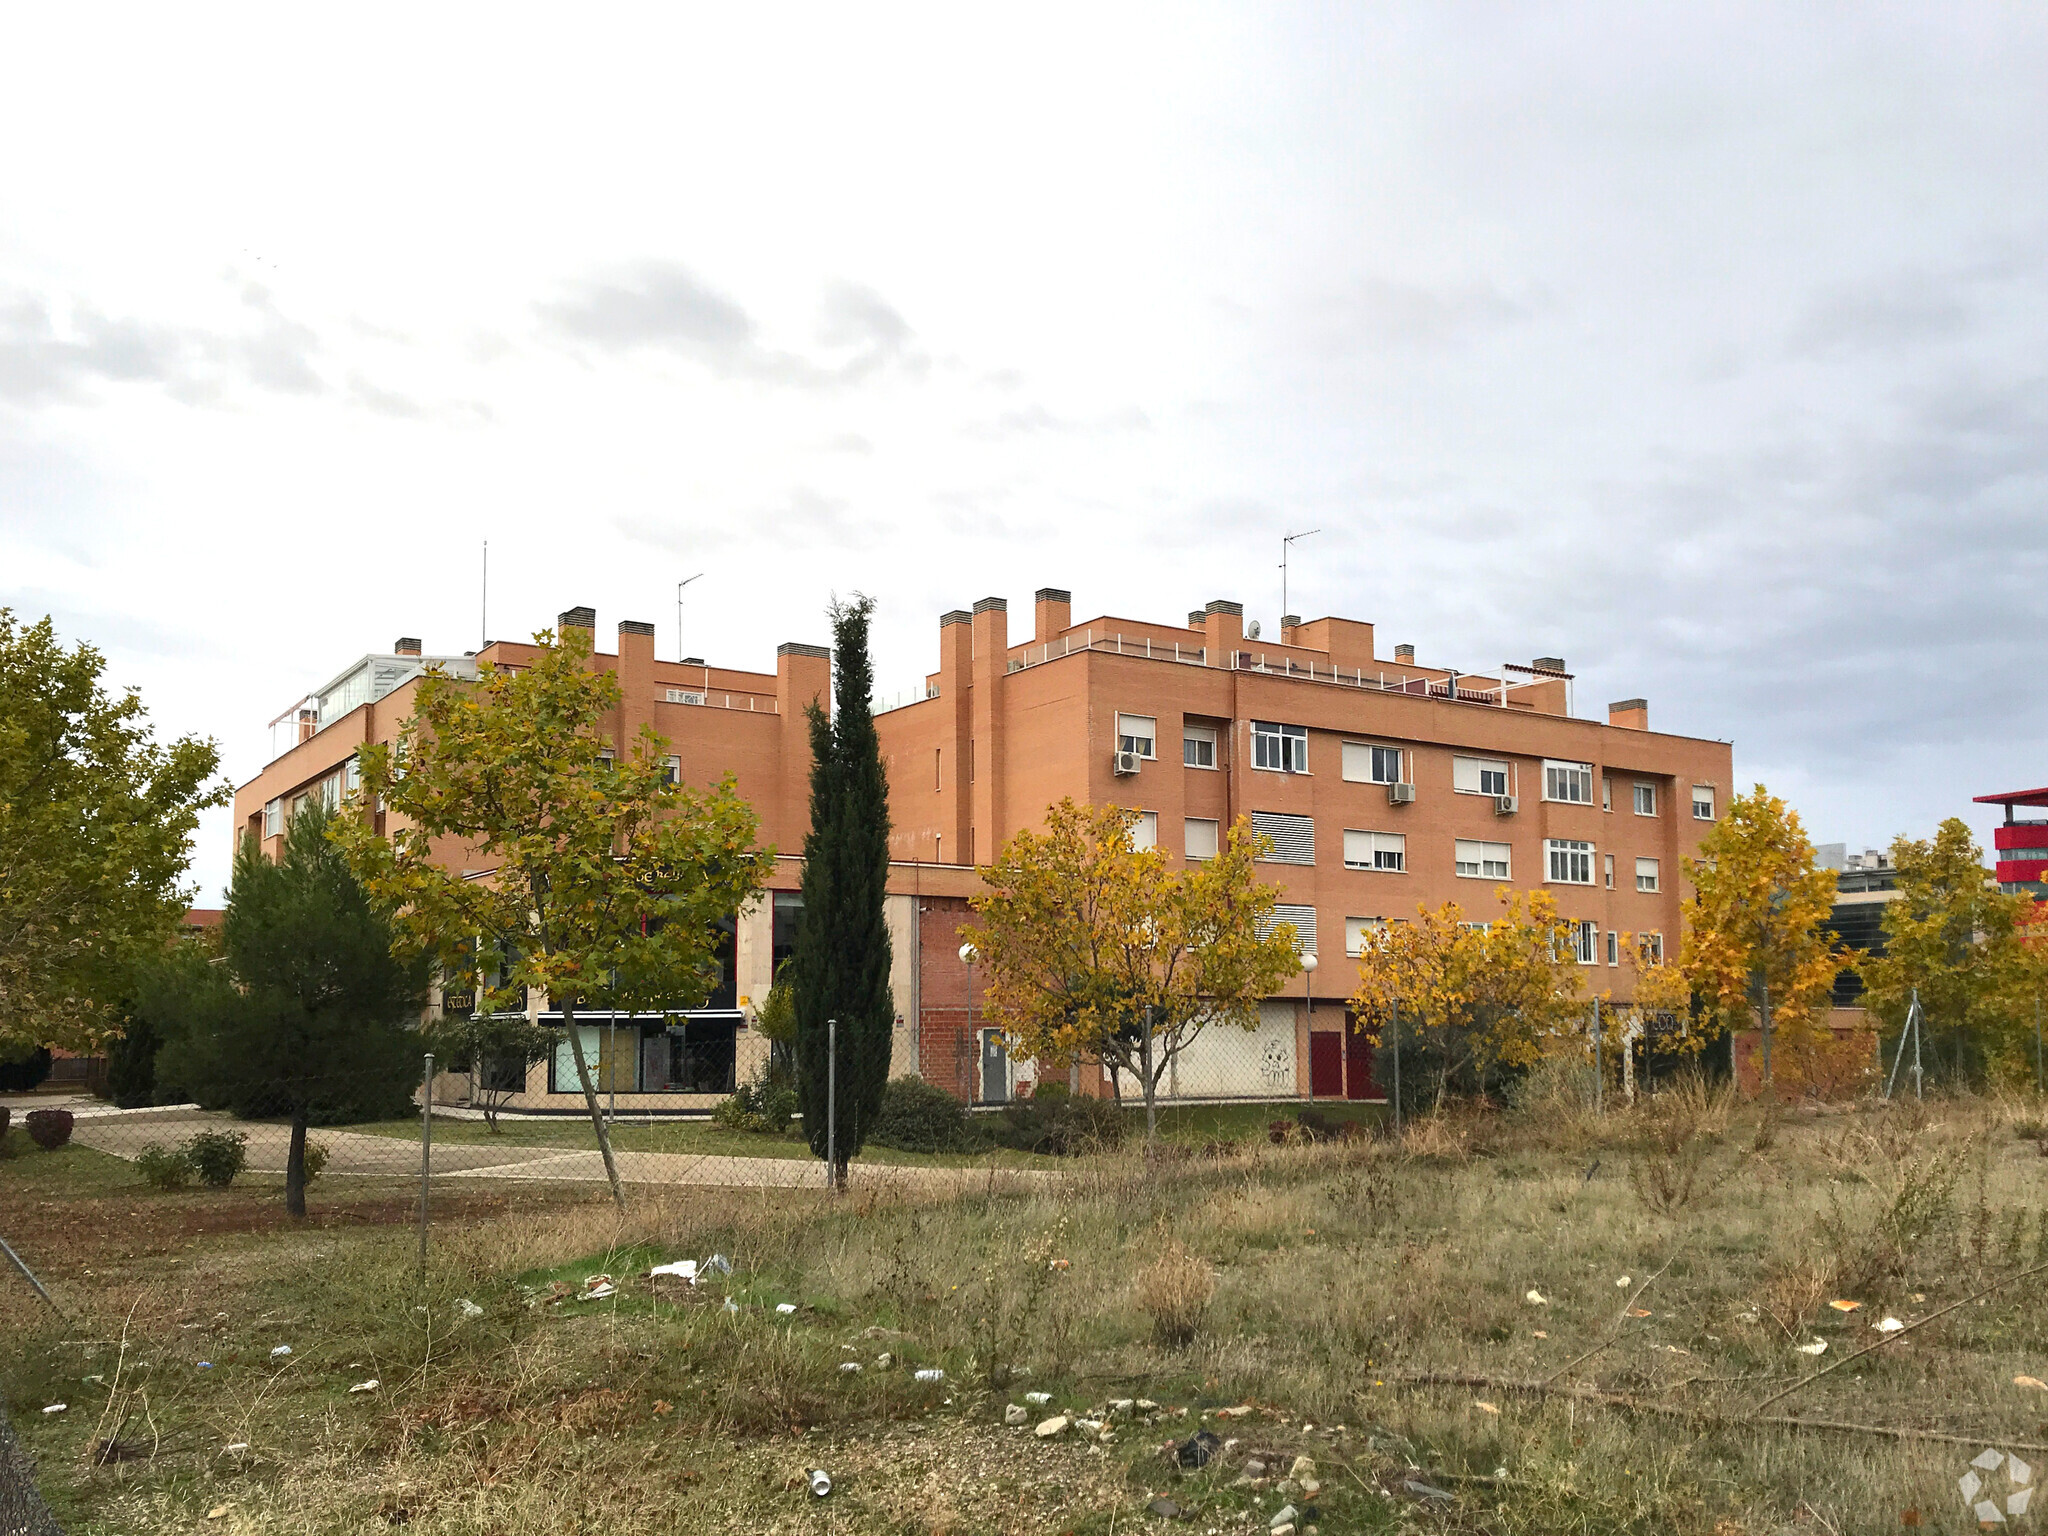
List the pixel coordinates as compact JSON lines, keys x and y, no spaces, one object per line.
{"x":1252,"y":630}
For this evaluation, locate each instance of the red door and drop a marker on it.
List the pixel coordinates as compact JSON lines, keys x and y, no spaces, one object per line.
{"x":1326,"y":1064}
{"x":1358,"y":1082}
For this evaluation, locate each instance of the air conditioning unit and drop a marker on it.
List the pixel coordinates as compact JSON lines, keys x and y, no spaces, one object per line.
{"x":1505,"y":805}
{"x":684,"y":696}
{"x":1126,"y":763}
{"x":1400,"y":794}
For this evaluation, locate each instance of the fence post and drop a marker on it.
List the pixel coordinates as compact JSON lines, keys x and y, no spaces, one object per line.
{"x":832,"y":1104}
{"x":426,"y":1153}
{"x":28,"y":1274}
{"x":2037,"y":1047}
{"x":1395,"y":1024}
{"x":1599,"y":1065}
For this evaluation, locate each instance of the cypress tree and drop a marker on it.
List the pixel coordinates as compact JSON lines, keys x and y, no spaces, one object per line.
{"x":841,"y":966}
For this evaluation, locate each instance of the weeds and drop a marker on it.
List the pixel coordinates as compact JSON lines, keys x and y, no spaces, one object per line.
{"x":1174,"y":1290}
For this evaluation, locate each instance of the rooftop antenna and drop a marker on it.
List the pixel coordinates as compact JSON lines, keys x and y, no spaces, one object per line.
{"x":679,"y":612}
{"x":485,"y":639}
{"x":1285,"y":548}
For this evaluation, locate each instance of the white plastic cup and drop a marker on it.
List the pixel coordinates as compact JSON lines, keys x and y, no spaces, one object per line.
{"x":821,"y":1482}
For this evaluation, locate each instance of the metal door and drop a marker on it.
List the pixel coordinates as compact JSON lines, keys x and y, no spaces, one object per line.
{"x":995,"y":1068}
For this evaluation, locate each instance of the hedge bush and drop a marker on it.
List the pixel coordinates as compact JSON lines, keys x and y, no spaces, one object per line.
{"x":217,"y":1156}
{"x":917,"y":1116}
{"x":162,"y":1168}
{"x":1057,"y":1123}
{"x":316,"y":1159}
{"x":49,"y":1128}
{"x":761,"y":1107}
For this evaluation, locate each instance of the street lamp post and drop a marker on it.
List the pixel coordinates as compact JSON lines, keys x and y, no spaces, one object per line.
{"x":1308,"y":976}
{"x":679,"y":611}
{"x":968,"y":955}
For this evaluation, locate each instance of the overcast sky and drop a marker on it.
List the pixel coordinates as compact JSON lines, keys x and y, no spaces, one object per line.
{"x":1706,"y":347}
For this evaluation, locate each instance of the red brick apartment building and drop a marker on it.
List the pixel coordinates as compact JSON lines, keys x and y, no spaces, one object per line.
{"x":1382,"y":784}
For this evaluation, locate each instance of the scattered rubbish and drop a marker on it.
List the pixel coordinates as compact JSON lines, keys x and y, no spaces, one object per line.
{"x":731,"y":1305}
{"x":1165,"y":1509}
{"x":1415,"y":1488}
{"x":1287,"y":1514}
{"x":1918,"y":1296}
{"x":1240,"y":1411}
{"x":884,"y":1360}
{"x":238,"y":1447}
{"x":469,"y":1309}
{"x":1888,"y":1325}
{"x":56,"y":1407}
{"x":820,"y":1481}
{"x":216,"y":1512}
{"x":91,"y":1381}
{"x":849,"y":1367}
{"x":1492,"y":1408}
{"x":1120,"y":1407}
{"x":1038,"y":1399}
{"x":367,"y":1386}
{"x":1622,"y":1283}
{"x":2031,"y":1381}
{"x":1638,"y":1311}
{"x":785,"y":1307}
{"x":931,"y":1373}
{"x":1817,"y":1347}
{"x":1146,"y":1405}
{"x":1056,"y":1425}
{"x":597,"y":1287}
{"x":1016,"y":1414}
{"x":682,"y":1269}
{"x":280,"y":1352}
{"x":206,"y":1365}
{"x":1539,"y":1333}
{"x":1089,"y":1426}
{"x":1304,"y":1466}
{"x":1845,"y":1306}
{"x":1536,"y":1298}
{"x":1198,"y":1449}
{"x":717,"y":1264}
{"x":1057,"y":1264}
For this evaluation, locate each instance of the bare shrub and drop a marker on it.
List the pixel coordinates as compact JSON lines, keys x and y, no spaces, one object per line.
{"x":1174,"y":1290}
{"x":1917,"y":1193}
{"x":1669,"y":1181}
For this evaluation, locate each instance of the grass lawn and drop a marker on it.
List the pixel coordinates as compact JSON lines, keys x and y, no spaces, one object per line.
{"x":1539,"y":1323}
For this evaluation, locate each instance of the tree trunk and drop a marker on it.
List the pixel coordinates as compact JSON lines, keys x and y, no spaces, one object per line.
{"x":604,"y":1135}
{"x":1764,"y":1019}
{"x":295,"y":1168}
{"x":1151,"y":1082}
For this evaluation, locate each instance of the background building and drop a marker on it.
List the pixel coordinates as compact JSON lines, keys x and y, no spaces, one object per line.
{"x":2021,"y":845}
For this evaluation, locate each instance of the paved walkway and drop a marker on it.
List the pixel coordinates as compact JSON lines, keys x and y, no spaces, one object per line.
{"x":124,"y":1133}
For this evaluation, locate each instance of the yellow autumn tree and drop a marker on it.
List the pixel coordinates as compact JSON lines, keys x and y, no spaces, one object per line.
{"x":1757,"y":944}
{"x":1474,"y":997}
{"x":1096,"y":950}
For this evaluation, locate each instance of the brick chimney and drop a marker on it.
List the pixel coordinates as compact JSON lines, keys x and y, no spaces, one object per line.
{"x":1223,"y":623}
{"x":405,"y":645}
{"x":1054,"y":612}
{"x":1405,"y":653}
{"x":577,"y":618}
{"x":1630,"y":714}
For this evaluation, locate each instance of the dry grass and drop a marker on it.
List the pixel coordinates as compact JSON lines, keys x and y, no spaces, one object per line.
{"x":1309,"y":1280}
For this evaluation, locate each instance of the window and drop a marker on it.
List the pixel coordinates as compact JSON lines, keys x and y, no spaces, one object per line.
{"x":685,"y":696}
{"x":1200,"y":838}
{"x":1145,"y":831}
{"x":1137,"y":733}
{"x":1646,"y":874}
{"x":1282,"y":748}
{"x":1646,"y":799}
{"x":1651,"y":947}
{"x":1198,"y":746}
{"x":1304,"y":920}
{"x":1613,"y":947}
{"x":1703,"y":802}
{"x":1293,"y":837}
{"x":1479,"y":776}
{"x":1375,"y":850}
{"x":1366,"y":764}
{"x":1586,"y":943}
{"x":672,"y":771}
{"x":1483,"y":861}
{"x":1571,"y":782}
{"x":352,"y":775}
{"x":329,"y":793}
{"x":605,"y":760}
{"x":273,"y":819}
{"x":1607,"y":865}
{"x":1606,"y":793}
{"x":1361,"y":931}
{"x":1570,"y":862}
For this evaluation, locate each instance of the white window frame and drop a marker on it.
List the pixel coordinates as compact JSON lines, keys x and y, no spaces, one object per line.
{"x":273,"y":817}
{"x":1607,"y":869}
{"x":1606,"y":793}
{"x":1278,"y":747}
{"x":1644,"y":792}
{"x":1571,"y":850}
{"x":1366,"y":762}
{"x":1469,"y":775}
{"x":329,"y":793}
{"x":352,"y":775}
{"x":1703,"y":794}
{"x":1652,"y":875}
{"x":1145,"y":743}
{"x":1145,"y":831}
{"x":1586,"y":942}
{"x":1483,"y":848}
{"x":1355,"y":930}
{"x":672,"y":770}
{"x":1559,"y":774}
{"x":1613,"y":946}
{"x":1197,"y":736}
{"x":1380,"y":847}
{"x":1189,"y":836}
{"x":1650,"y":948}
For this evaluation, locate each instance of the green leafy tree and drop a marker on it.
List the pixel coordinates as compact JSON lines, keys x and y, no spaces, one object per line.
{"x":96,"y":819}
{"x":1096,"y":950}
{"x":497,"y":1049}
{"x":1756,"y":938}
{"x":841,"y":965}
{"x":311,"y":1017}
{"x":1960,"y":942}
{"x":775,"y":1022}
{"x":600,"y":882}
